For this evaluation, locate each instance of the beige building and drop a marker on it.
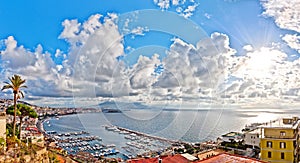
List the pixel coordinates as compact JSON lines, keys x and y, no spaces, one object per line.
{"x":3,"y":125}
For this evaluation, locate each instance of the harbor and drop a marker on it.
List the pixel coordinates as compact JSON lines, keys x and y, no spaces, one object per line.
{"x":133,"y":143}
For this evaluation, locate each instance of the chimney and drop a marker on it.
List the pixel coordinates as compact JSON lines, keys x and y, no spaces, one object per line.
{"x":159,"y":160}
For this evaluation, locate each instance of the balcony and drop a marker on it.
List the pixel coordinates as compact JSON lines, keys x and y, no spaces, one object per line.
{"x":280,"y":137}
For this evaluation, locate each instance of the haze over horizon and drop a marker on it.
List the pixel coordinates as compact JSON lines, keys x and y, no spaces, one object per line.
{"x":162,"y":52}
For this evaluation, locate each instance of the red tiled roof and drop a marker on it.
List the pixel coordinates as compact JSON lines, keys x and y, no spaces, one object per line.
{"x":229,"y":158}
{"x":165,"y":159}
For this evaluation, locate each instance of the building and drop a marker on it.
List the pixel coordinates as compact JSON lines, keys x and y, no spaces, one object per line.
{"x":252,"y":138}
{"x":3,"y":125}
{"x":165,"y":159}
{"x":228,"y":158}
{"x":232,"y":137}
{"x":280,"y":141}
{"x":209,"y":153}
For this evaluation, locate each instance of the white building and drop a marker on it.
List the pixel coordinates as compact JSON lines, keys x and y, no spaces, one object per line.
{"x":252,"y":137}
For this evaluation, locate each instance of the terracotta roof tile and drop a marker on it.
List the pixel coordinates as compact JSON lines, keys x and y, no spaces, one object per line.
{"x":165,"y":159}
{"x":229,"y":158}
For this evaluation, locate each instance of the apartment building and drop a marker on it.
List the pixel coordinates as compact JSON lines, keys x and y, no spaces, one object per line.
{"x":280,"y":141}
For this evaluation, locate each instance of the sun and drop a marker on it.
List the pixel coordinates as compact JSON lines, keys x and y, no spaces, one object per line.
{"x":261,"y":63}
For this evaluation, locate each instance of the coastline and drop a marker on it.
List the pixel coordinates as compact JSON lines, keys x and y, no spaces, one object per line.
{"x":40,"y":124}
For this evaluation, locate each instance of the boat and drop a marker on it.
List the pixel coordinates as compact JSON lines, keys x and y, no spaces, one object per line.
{"x":110,"y":110}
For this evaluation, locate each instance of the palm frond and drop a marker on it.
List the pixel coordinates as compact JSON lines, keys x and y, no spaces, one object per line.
{"x":7,"y":87}
{"x":20,"y":95}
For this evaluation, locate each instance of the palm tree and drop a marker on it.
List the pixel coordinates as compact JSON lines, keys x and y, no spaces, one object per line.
{"x":22,"y":111}
{"x":16,"y":83}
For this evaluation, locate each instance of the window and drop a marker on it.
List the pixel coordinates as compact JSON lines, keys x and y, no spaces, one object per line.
{"x":269,"y":144}
{"x":282,"y":145}
{"x":269,"y":154}
{"x":282,"y":133}
{"x":282,"y":155}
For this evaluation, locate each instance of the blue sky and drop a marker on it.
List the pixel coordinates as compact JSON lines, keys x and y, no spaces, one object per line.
{"x":207,"y":49}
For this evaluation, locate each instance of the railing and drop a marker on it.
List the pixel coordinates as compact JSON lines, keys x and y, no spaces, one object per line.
{"x":280,"y":137}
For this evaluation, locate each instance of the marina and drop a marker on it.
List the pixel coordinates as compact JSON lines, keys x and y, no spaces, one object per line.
{"x":140,"y":143}
{"x":74,"y":142}
{"x":133,"y":143}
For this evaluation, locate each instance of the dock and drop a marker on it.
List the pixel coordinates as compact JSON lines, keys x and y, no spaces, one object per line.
{"x":149,"y":136}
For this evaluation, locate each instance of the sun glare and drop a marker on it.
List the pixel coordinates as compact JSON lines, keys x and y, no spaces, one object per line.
{"x":260,"y":63}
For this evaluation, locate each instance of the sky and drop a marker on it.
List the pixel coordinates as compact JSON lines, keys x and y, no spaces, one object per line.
{"x":158,"y":52}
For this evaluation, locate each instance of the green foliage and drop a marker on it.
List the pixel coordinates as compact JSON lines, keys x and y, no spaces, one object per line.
{"x":189,"y":148}
{"x":16,"y":83}
{"x":2,"y":145}
{"x":53,"y":158}
{"x":22,"y":110}
{"x":239,"y":145}
{"x":9,"y":130}
{"x":180,"y":150}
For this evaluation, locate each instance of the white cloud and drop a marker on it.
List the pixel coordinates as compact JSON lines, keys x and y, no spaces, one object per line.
{"x":209,"y":70}
{"x":139,"y":30}
{"x":293,"y":41}
{"x":163,"y":4}
{"x":208,"y":16}
{"x":266,"y":76}
{"x":248,"y":48}
{"x":142,"y":75}
{"x":191,"y":72}
{"x":285,"y":13}
{"x":94,"y":47}
{"x":175,"y":2}
{"x":182,"y":7}
{"x":188,"y":12}
{"x":71,"y":28}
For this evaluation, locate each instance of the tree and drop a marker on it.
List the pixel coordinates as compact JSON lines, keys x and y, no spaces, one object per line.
{"x":16,"y":83}
{"x":22,"y":111}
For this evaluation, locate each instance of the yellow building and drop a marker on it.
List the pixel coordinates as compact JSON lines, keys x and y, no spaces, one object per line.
{"x":280,"y":141}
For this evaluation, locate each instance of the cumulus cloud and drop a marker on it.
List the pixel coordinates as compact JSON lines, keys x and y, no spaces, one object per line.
{"x":248,"y":48}
{"x":143,"y":75}
{"x":37,"y":67}
{"x":195,"y":71}
{"x":90,"y":43}
{"x":209,"y":70}
{"x":293,"y":41}
{"x":285,"y":13}
{"x":265,"y":75}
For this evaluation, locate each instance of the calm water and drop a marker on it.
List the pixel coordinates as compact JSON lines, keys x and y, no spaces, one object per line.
{"x":191,"y":126}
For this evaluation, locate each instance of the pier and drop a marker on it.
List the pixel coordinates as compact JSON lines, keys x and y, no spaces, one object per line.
{"x":148,"y":136}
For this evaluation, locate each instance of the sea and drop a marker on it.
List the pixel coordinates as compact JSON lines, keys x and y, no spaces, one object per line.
{"x":175,"y":124}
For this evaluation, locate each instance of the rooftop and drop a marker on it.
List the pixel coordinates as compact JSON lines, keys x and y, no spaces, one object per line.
{"x":232,"y":134}
{"x":165,"y":159}
{"x":255,"y":131}
{"x":229,"y":158}
{"x":292,"y":123}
